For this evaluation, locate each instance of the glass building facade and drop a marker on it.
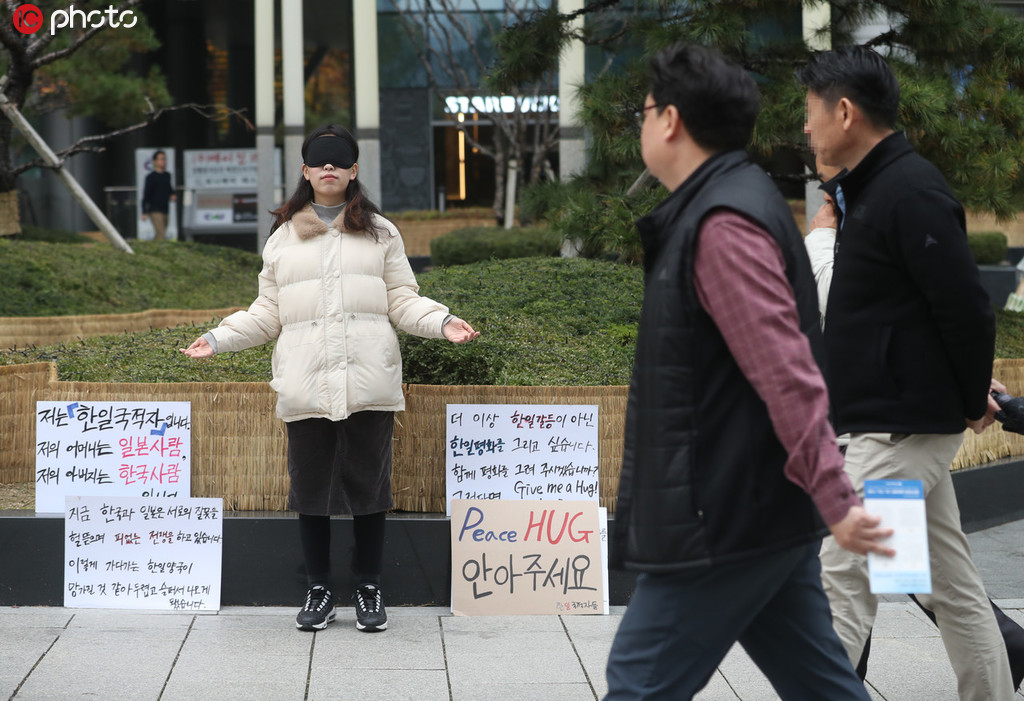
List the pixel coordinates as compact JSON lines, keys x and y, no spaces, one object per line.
{"x":207,"y":55}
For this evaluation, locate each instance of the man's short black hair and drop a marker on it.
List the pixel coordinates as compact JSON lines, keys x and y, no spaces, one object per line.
{"x":858,"y":74}
{"x":717,"y":100}
{"x":158,"y":153}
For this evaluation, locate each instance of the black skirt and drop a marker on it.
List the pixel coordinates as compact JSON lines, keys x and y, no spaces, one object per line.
{"x":341,"y":467}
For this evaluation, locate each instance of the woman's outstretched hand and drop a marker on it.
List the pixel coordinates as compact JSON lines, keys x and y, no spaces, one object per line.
{"x":199,"y":349}
{"x":458,"y":331}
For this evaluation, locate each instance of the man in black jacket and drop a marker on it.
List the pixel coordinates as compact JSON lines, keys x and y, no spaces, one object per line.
{"x":730,"y":471}
{"x":157,"y":196}
{"x":909,"y":342}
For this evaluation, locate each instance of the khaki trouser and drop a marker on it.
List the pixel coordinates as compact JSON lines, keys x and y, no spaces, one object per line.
{"x":159,"y":220}
{"x":962,"y":609}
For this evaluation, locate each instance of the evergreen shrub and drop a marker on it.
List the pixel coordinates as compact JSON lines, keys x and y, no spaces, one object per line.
{"x":988,"y":247}
{"x":479,"y":243}
{"x":40,"y":233}
{"x":542,"y":321}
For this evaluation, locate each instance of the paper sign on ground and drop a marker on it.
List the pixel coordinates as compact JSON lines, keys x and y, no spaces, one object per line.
{"x":512,"y":557}
{"x":112,"y":448}
{"x":900,"y":503}
{"x":521,"y":451}
{"x":139,"y":553}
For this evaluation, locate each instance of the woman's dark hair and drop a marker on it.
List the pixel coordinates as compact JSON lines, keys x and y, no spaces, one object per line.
{"x":359,"y":210}
{"x":717,"y":99}
{"x":860,"y":75}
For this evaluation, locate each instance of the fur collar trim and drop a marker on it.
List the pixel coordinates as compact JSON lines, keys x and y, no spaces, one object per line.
{"x":307,"y":224}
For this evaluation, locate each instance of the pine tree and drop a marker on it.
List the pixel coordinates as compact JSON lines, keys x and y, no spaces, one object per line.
{"x":83,"y":71}
{"x":960,"y":64}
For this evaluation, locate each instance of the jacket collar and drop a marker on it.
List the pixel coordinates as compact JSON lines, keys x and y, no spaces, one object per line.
{"x":885,"y":152}
{"x":671,"y":206}
{"x":656,"y":227}
{"x":307,"y":224}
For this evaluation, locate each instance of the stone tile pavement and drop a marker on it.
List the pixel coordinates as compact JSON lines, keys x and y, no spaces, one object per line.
{"x":425,"y":655}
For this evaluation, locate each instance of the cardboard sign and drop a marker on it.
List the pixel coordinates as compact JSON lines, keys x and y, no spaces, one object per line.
{"x":138,"y":553}
{"x":526,"y":558}
{"x":112,"y":449}
{"x":521,"y":451}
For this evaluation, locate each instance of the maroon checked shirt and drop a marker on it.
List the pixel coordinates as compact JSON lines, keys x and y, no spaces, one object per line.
{"x":741,"y":282}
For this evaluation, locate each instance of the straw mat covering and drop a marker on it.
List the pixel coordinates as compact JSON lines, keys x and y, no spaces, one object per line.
{"x":23,"y":331}
{"x":10,"y":219}
{"x":995,"y":443}
{"x":239,"y":446}
{"x":21,"y":386}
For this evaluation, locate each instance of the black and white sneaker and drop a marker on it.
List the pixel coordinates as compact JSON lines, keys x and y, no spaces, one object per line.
{"x":318,"y":610}
{"x":370,"y":614}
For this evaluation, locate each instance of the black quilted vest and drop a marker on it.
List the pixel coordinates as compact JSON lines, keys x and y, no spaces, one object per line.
{"x":702,"y":478}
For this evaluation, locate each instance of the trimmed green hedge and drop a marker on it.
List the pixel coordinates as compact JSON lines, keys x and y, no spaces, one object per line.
{"x":39,"y":233}
{"x":433,"y":214}
{"x":988,"y":247}
{"x":41,"y":278}
{"x":474,"y":244}
{"x":543,"y":321}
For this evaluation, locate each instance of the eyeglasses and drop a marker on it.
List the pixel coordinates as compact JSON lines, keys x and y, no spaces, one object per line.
{"x":640,"y":114}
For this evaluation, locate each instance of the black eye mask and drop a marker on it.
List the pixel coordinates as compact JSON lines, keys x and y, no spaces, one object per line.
{"x":329,"y":149}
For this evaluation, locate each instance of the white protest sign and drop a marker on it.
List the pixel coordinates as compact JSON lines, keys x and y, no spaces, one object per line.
{"x":527,"y":558}
{"x":112,"y":449}
{"x":139,"y":553}
{"x":900,"y":503}
{"x":521,"y":451}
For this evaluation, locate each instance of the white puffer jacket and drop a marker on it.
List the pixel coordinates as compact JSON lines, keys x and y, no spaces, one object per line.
{"x":332,"y":300}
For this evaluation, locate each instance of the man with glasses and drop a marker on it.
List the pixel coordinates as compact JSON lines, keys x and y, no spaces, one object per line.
{"x":730,"y":471}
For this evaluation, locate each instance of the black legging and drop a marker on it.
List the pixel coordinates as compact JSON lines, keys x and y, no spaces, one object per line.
{"x":367,"y":556}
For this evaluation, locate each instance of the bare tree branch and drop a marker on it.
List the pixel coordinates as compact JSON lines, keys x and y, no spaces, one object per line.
{"x":95,"y":144}
{"x":595,"y":6}
{"x":11,"y":40}
{"x":43,"y":41}
{"x":413,"y":40}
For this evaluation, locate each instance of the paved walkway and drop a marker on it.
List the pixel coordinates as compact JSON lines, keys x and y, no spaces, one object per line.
{"x":426,"y":655}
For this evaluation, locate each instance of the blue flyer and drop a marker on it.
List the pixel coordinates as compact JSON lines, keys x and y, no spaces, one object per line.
{"x":900,"y":503}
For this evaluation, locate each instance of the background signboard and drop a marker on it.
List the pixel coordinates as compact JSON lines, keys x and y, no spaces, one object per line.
{"x":221,"y":190}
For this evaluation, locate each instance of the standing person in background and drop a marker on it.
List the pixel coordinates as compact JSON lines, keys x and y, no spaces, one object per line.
{"x":730,"y":465}
{"x":335,"y":282}
{"x":157,"y":195}
{"x":909,"y":341}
